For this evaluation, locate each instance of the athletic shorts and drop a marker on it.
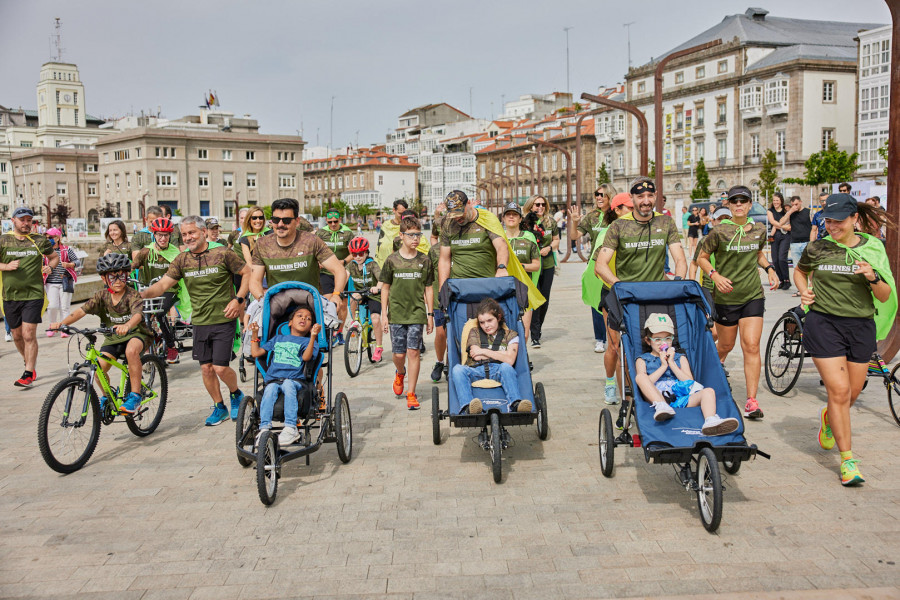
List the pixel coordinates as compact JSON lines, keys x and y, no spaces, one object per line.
{"x":406,"y":336}
{"x":214,"y":343}
{"x":326,"y":283}
{"x":440,"y":317}
{"x":604,"y":293}
{"x":728,"y":315}
{"x":17,"y":312}
{"x":831,"y":336}
{"x":118,"y":350}
{"x":374,"y":306}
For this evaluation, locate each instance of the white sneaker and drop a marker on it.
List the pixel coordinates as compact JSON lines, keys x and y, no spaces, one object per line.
{"x":600,"y":347}
{"x":715,"y":425}
{"x":258,"y":435}
{"x":8,"y":337}
{"x":664,"y":412}
{"x":288,"y":436}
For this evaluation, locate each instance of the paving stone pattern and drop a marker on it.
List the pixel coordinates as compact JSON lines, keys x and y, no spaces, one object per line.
{"x":175,"y":516}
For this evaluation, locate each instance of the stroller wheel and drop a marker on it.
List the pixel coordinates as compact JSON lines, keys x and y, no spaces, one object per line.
{"x":496,"y":447}
{"x":343,"y":428}
{"x":732,"y":466}
{"x":607,"y":443}
{"x":435,"y":416}
{"x":242,"y":370}
{"x":540,"y":399}
{"x":709,"y":490}
{"x":245,"y":430}
{"x":267,"y":468}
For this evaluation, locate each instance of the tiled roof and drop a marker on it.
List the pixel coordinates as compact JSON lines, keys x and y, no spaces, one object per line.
{"x":364,"y":156}
{"x":805,"y":51}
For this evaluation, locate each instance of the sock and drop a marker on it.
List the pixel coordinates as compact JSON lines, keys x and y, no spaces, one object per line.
{"x":611,"y":380}
{"x":29,"y":373}
{"x":848,"y":455}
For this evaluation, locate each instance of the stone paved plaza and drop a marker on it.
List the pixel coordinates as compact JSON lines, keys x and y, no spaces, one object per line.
{"x":175,"y":516}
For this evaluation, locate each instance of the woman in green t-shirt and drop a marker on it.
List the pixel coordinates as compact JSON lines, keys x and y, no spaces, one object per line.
{"x":548,"y":244}
{"x":850,"y":274}
{"x":525,"y":247}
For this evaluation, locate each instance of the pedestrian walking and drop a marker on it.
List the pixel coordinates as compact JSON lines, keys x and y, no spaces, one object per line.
{"x":781,"y":240}
{"x":59,"y":281}
{"x":549,"y":245}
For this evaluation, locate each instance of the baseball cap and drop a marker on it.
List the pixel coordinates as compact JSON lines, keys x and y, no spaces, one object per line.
{"x":54,"y":231}
{"x":22,"y":211}
{"x":212,"y":222}
{"x":513,"y":207}
{"x":839,"y":207}
{"x":659,"y":323}
{"x":738,"y":191}
{"x":456,"y":204}
{"x":621,"y":199}
{"x":721,"y":213}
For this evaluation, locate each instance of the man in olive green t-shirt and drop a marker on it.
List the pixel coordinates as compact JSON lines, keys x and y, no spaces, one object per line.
{"x":22,"y":266}
{"x":468,"y":250}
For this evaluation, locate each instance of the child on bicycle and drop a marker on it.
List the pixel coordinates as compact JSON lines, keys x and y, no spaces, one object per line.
{"x":666,"y":382}
{"x":285,"y":372}
{"x":492,"y":349}
{"x":120,"y":307}
{"x":364,"y":273}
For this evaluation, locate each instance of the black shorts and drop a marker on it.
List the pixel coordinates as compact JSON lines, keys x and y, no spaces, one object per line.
{"x":214,"y":343}
{"x":693,"y":232}
{"x":831,"y":336}
{"x":728,"y":315}
{"x":604,"y":294}
{"x":374,"y":306}
{"x":118,"y":350}
{"x":17,"y":312}
{"x":326,"y":283}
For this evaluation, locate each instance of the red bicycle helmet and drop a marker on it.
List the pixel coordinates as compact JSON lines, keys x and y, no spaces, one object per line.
{"x":358,"y":245}
{"x":161,"y":225}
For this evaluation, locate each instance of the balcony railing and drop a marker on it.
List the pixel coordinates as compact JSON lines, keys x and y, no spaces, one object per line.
{"x":776,"y":108}
{"x":752,"y":112}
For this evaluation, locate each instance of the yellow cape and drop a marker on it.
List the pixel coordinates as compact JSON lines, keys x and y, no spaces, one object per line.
{"x":490,"y":222}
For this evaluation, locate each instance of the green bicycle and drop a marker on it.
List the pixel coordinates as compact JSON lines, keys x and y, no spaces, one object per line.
{"x":69,"y":423}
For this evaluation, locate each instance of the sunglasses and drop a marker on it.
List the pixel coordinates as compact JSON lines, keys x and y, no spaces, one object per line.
{"x":413,"y":235}
{"x":121,"y":276}
{"x":599,"y":194}
{"x":257,"y":218}
{"x":279,"y":220}
{"x":741,"y":200}
{"x":539,"y":204}
{"x":331,"y":221}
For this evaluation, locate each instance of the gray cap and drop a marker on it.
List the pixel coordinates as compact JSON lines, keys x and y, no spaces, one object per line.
{"x":22,"y":211}
{"x":212,"y":222}
{"x":721,"y":212}
{"x":512,"y":207}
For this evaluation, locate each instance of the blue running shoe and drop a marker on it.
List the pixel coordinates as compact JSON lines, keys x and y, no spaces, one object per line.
{"x":219,"y":414}
{"x":131,"y":404}
{"x":236,"y":398}
{"x":103,"y":402}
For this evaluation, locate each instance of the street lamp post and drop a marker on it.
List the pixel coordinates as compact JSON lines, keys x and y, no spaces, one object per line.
{"x":570,"y":225}
{"x":643,"y":128}
{"x":518,"y":164}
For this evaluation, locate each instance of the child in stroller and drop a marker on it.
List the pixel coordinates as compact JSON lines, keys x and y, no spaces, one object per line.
{"x":665,"y":379}
{"x":489,"y":354}
{"x":291,"y":353}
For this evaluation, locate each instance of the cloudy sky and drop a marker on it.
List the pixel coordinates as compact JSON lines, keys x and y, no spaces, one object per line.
{"x":283,"y":61}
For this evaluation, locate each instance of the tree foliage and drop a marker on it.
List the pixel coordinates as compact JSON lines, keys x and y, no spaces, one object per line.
{"x":652,"y":173}
{"x":828,"y":166}
{"x":768,"y":174}
{"x":62,"y":212}
{"x":883,"y":153}
{"x":701,"y":185}
{"x":602,"y":174}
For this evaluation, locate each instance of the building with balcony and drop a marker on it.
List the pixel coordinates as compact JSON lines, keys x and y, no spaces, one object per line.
{"x":774,"y":83}
{"x":536,"y":106}
{"x":874,"y":86}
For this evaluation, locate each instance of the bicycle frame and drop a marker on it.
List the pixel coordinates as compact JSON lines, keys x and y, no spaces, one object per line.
{"x":92,"y":359}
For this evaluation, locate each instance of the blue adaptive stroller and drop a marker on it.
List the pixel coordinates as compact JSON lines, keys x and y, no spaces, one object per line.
{"x":461,"y":297}
{"x":677,"y":441}
{"x":320,"y":419}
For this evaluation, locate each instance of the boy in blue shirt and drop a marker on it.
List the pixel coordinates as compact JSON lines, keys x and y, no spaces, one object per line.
{"x":286,"y":370}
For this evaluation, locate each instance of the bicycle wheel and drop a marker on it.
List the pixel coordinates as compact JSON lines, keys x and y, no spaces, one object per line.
{"x":246,"y":428}
{"x":353,"y":351}
{"x":69,"y":425}
{"x":343,"y":428}
{"x":784,"y":354}
{"x":709,"y":490}
{"x":370,"y":339}
{"x":154,"y":392}
{"x":893,"y":390}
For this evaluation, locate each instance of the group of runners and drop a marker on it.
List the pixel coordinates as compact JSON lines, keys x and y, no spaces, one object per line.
{"x":211,"y":280}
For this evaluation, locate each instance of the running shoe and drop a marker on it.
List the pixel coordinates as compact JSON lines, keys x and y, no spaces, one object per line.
{"x":524,"y":406}
{"x":716,"y":425}
{"x":826,"y":439}
{"x":850,"y":474}
{"x":398,"y":383}
{"x":752,"y":409}
{"x":535,"y":343}
{"x":475,"y":407}
{"x":599,"y":347}
{"x":376,"y":353}
{"x":131,"y":404}
{"x":219,"y":415}
{"x":611,"y":394}
{"x":27,"y":379}
{"x":236,"y":397}
{"x":62,"y":335}
{"x":412,"y":401}
{"x":288,"y":436}
{"x":172,"y":356}
{"x":49,"y":333}
{"x":663,"y":412}
{"x":8,"y":337}
{"x":437,"y":371}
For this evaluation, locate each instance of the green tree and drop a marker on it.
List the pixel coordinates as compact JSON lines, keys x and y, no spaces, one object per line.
{"x":768,"y":175}
{"x":883,"y":153}
{"x":652,"y":173}
{"x":602,"y":174}
{"x":701,"y":186}
{"x":315,"y":210}
{"x":342,"y":207}
{"x":828,"y":166}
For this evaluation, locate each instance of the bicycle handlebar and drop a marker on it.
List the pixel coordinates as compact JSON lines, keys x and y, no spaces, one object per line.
{"x":85,"y":332}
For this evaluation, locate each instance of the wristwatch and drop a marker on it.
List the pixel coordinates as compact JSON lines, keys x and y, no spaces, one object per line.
{"x":767,"y":267}
{"x":239,"y":299}
{"x":501,"y":266}
{"x":431,"y":314}
{"x":876,"y":280}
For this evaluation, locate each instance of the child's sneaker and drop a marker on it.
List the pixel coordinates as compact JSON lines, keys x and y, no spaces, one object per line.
{"x":398,"y":383}
{"x":131,"y":404}
{"x":523,"y":406}
{"x":850,"y":474}
{"x":826,"y":440}
{"x":376,"y":353}
{"x":288,"y":436}
{"x":715,"y":425}
{"x":752,"y":409}
{"x":437,"y":371}
{"x":412,"y":402}
{"x":259,"y":435}
{"x":664,"y":412}
{"x":611,"y":394}
{"x":172,"y":356}
{"x":475,"y":407}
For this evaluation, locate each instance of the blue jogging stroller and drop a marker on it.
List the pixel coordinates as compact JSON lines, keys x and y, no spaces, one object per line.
{"x":461,"y":298}
{"x":320,"y":418}
{"x":678,"y":441}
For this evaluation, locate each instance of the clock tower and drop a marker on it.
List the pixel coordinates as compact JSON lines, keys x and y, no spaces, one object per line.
{"x":60,"y":96}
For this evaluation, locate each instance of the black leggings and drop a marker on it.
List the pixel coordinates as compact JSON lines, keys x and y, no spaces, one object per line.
{"x":780,"y":246}
{"x":545,"y":282}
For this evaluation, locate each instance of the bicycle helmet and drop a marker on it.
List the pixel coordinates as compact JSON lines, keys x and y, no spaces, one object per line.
{"x":358,"y":245}
{"x":113,"y":262}
{"x":161,"y":225}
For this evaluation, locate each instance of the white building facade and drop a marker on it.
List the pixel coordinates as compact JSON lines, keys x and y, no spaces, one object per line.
{"x":874,"y":96}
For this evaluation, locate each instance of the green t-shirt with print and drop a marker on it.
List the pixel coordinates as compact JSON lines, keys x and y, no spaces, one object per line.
{"x":298,"y":261}
{"x":551,"y":230}
{"x":208,"y":277}
{"x":112,"y":314}
{"x":365,"y":277}
{"x":526,"y":250}
{"x":434,"y":254}
{"x":736,"y":250}
{"x":472,"y":252}
{"x":337,"y":241}
{"x":408,"y":278}
{"x":591,"y":224}
{"x":839,"y":291}
{"x":152,"y":263}
{"x":26,"y":282}
{"x":641,"y":247}
{"x":705,"y":282}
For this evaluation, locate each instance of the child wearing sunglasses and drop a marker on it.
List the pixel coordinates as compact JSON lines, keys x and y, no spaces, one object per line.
{"x":666,"y":382}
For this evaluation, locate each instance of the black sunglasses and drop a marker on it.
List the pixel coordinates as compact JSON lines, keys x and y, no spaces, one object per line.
{"x":279,"y":220}
{"x":333,"y":221}
{"x":257,"y":218}
{"x":740,"y":200}
{"x":539,"y":204}
{"x":599,"y":194}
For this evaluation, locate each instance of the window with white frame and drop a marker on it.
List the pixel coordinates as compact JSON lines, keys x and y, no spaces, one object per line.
{"x":90,"y":168}
{"x":60,"y":167}
{"x":828,"y":91}
{"x":228,"y":180}
{"x":128,"y":181}
{"x":118,"y":183}
{"x":751,"y":96}
{"x":202,"y":153}
{"x":777,"y":91}
{"x":827,"y":137}
{"x":699,"y":115}
{"x":722,"y":148}
{"x":641,"y":87}
{"x":722,"y":66}
{"x":620,"y":161}
{"x":679,"y":119}
{"x":869,"y":143}
{"x":203,"y":179}
{"x":106,"y":181}
{"x":679,"y":154}
{"x":251,"y":155}
{"x":381,"y":180}
{"x":780,"y":142}
{"x":140,"y":179}
{"x":554,"y":161}
{"x":700,"y":72}
{"x":679,"y":77}
{"x":754,"y":145}
{"x":287,"y":180}
{"x":721,"y":112}
{"x":163,"y":179}
{"x":876,"y":58}
{"x":92,"y":189}
{"x":700,"y":149}
{"x":226,"y":154}
{"x":873,"y":102}
{"x":251,"y":180}
{"x":61,"y":189}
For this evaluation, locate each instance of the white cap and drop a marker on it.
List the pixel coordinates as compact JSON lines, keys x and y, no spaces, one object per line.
{"x":659,"y":323}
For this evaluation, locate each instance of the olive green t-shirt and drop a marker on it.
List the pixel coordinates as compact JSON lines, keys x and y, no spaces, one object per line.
{"x":209,"y":280}
{"x":408,"y":278}
{"x":26,"y":282}
{"x":641,"y":247}
{"x":337,"y":241}
{"x":839,"y":291}
{"x":510,"y":336}
{"x":591,"y":224}
{"x":472,"y":252}
{"x":123,"y":248}
{"x":130,"y":304}
{"x":364,"y":281}
{"x":551,"y":230}
{"x":737,"y":260}
{"x":705,"y":282}
{"x":150,"y":264}
{"x":526,"y":250}
{"x":298,"y":262}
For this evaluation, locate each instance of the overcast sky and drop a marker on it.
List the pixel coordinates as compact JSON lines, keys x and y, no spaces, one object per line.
{"x":282,"y":61}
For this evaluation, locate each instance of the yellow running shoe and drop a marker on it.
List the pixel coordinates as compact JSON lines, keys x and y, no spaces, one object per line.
{"x":850,"y":474}
{"x":826,"y":440}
